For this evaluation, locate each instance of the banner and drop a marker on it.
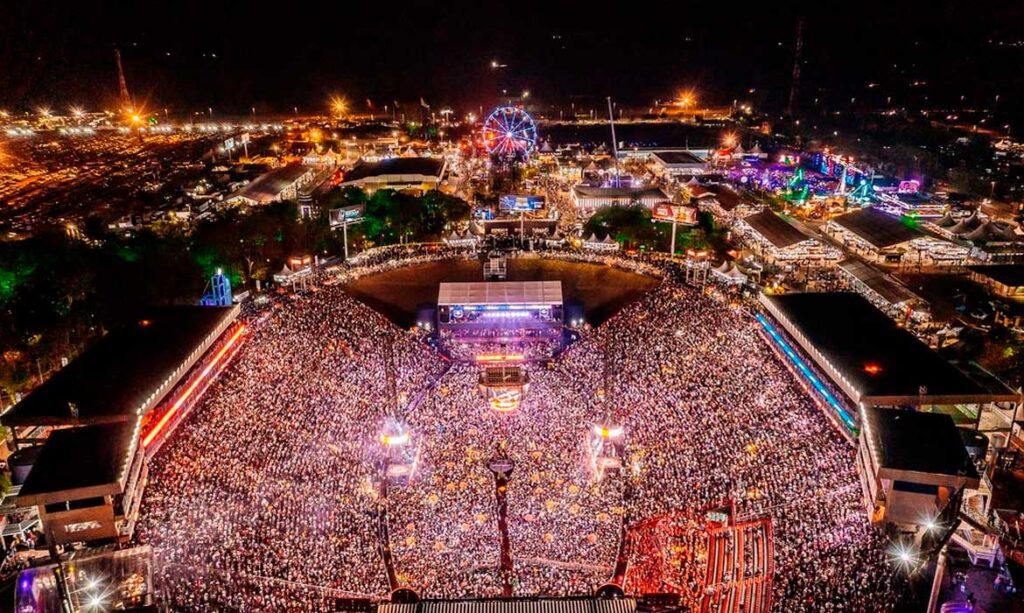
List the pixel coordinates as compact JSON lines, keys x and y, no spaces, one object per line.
{"x":684,"y":215}
{"x":518,"y":203}
{"x":347,"y":214}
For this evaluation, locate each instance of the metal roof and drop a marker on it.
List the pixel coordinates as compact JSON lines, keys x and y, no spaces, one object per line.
{"x":124,"y":371}
{"x":673,"y":158}
{"x":879,"y":362}
{"x":501,"y":292}
{"x":877,"y":281}
{"x":270,"y":185}
{"x":79,"y":462}
{"x":1007,"y":274}
{"x":920,"y":442}
{"x":637,"y":193}
{"x":877,"y":227}
{"x":775,"y":229}
{"x":396,"y":167}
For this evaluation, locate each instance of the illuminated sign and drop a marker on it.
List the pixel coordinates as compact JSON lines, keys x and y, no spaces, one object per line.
{"x":909,"y":187}
{"x":519,"y":203}
{"x":491,"y":357}
{"x":345,"y":215}
{"x":82,"y":527}
{"x":665,"y":211}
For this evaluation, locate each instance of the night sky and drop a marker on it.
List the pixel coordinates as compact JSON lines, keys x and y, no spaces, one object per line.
{"x":189,"y":55}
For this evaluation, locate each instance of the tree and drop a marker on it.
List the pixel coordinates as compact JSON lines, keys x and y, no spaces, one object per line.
{"x":631,"y":225}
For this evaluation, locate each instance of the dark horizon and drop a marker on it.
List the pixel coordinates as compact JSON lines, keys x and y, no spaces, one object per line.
{"x":189,"y":56}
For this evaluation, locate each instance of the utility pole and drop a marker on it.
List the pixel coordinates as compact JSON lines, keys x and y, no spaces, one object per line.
{"x":675,"y":222}
{"x":344,"y":233}
{"x":615,"y":143}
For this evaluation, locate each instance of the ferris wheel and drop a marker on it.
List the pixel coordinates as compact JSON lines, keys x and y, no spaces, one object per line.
{"x":509,"y":133}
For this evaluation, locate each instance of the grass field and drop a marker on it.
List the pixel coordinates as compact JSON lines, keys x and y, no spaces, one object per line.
{"x":603,"y":290}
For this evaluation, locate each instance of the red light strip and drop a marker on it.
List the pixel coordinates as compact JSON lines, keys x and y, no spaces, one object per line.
{"x":160,"y":425}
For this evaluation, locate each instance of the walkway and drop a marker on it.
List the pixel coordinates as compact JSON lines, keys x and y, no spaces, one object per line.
{"x":501,"y":495}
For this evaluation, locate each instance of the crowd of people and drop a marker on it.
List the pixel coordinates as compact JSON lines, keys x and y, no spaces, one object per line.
{"x":270,"y":497}
{"x":273,"y":476}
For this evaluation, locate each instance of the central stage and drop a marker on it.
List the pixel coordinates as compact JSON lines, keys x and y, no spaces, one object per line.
{"x":500,"y":321}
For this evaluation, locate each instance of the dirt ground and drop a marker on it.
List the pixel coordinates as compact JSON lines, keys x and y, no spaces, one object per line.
{"x":603,"y":290}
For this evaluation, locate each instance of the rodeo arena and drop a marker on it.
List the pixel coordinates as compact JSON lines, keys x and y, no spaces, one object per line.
{"x":696,"y":451}
{"x":704,"y":448}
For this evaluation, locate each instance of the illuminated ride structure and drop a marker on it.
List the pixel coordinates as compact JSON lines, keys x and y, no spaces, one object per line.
{"x":507,"y":322}
{"x":509,"y":134}
{"x":713,"y":560}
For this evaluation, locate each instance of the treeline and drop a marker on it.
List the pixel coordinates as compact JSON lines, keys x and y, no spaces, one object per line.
{"x":57,"y":292}
{"x":634,"y":228}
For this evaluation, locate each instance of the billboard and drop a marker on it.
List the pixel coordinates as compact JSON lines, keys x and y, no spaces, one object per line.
{"x":87,"y":524}
{"x":519,"y":203}
{"x":346,"y":215}
{"x":666,"y":211}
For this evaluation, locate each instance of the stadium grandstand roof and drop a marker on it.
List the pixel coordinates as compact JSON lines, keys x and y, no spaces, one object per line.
{"x":872,"y":359}
{"x":397,"y":166}
{"x":919,"y":442}
{"x":501,"y":292}
{"x":79,"y":463}
{"x":877,"y":227}
{"x":270,"y":185}
{"x":775,"y":229}
{"x":120,"y":373}
{"x":891,"y":290}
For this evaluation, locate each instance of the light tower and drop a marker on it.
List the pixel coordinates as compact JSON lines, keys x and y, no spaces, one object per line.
{"x":220,"y":291}
{"x":122,"y":85}
{"x":607,"y":438}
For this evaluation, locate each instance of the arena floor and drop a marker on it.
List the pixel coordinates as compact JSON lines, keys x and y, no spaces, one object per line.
{"x":603,"y":290}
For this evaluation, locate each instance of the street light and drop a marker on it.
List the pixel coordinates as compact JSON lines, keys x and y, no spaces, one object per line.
{"x":339,"y":106}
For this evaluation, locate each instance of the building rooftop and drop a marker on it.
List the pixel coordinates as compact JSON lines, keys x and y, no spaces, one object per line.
{"x":916,"y":441}
{"x":882,"y":362}
{"x":877,"y":227}
{"x":117,"y":375}
{"x":891,"y":290}
{"x":88,"y":460}
{"x":270,"y":185}
{"x":635,"y":193}
{"x":727,"y":199}
{"x":500,"y":292}
{"x":775,"y":229}
{"x":397,"y":166}
{"x":672,"y":158}
{"x":1011,"y":275}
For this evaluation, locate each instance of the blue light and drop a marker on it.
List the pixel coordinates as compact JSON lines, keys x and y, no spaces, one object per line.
{"x":806,"y":372}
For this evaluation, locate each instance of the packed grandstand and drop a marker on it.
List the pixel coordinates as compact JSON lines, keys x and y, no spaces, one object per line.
{"x":735,"y":491}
